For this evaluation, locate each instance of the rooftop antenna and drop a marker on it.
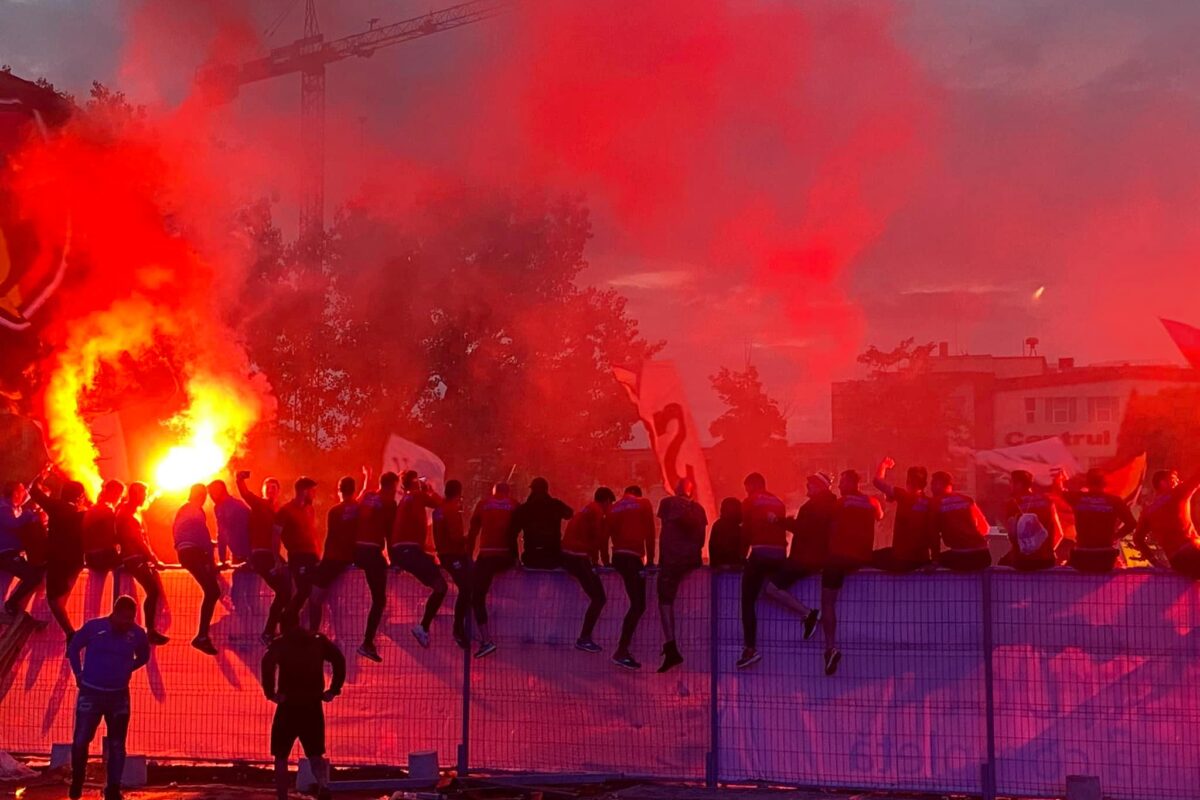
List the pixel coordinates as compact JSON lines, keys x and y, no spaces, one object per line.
{"x":1031,"y":346}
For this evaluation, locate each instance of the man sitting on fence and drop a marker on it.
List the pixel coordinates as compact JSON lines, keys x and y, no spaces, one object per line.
{"x":1167,"y":522}
{"x":851,"y":542}
{"x":299,"y":656}
{"x":960,"y":525}
{"x":1101,"y":520}
{"x":587,"y":526}
{"x":1034,"y":529}
{"x":764,"y":520}
{"x":115,"y":648}
{"x":913,"y":544}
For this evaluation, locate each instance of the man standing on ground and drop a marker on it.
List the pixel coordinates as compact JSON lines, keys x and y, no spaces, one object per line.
{"x":265,"y":558}
{"x":137,"y":559}
{"x":680,"y":545}
{"x":376,"y":516}
{"x":407,"y":547}
{"x":64,"y":547}
{"x":299,"y":658}
{"x":195,"y":547}
{"x":115,"y":648}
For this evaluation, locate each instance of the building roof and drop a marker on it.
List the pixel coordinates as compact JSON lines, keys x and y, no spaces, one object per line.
{"x":1073,"y":376}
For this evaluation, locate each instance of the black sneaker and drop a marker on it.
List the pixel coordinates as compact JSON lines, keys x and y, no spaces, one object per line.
{"x":485,"y":650}
{"x":588,"y":646}
{"x":157,"y":638}
{"x":810,"y":623}
{"x":832,"y":659}
{"x":204,"y":645}
{"x":324,"y":794}
{"x":671,"y":657}
{"x":626,"y":662}
{"x":76,"y":790}
{"x":369,"y":652}
{"x":112,"y":793}
{"x":749,"y":658}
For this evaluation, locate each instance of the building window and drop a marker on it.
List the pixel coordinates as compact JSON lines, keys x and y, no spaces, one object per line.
{"x":1103,"y":409}
{"x":1031,"y":409}
{"x":1060,"y":410}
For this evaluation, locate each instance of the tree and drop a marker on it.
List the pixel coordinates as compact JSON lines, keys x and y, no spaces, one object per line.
{"x":751,"y":434}
{"x":905,"y":357}
{"x":461,"y":327}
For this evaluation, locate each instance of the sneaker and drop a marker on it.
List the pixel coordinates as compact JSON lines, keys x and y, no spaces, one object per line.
{"x":76,"y":790}
{"x":832,"y":659}
{"x":462,"y":641}
{"x":112,"y":793}
{"x":204,"y":645}
{"x":324,"y":794}
{"x":157,"y":638}
{"x":810,"y":623}
{"x":485,"y":650}
{"x":749,"y":658}
{"x":626,"y":662}
{"x":588,"y":646}
{"x":671,"y":657}
{"x":421,"y":635}
{"x":266,"y":638}
{"x":369,"y":652}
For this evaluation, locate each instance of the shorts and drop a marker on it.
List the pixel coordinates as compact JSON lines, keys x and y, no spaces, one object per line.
{"x":417,"y":563}
{"x":303,"y":567}
{"x":834,"y":577}
{"x":965,"y":560}
{"x":1094,"y":560}
{"x":61,"y":578}
{"x":669,"y":578}
{"x":1186,"y":562}
{"x":328,"y":571}
{"x":304,"y":721}
{"x":369,"y":556}
{"x":102,"y":560}
{"x":788,"y":576}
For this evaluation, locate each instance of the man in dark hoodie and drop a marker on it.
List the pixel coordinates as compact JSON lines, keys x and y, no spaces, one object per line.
{"x":539,"y":520}
{"x":64,"y":550}
{"x":680,"y":546}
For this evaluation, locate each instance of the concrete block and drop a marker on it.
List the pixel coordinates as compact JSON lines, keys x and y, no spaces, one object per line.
{"x":60,"y":756}
{"x":305,"y":780}
{"x":134,"y":775}
{"x":423,"y":766}
{"x":1083,"y":787}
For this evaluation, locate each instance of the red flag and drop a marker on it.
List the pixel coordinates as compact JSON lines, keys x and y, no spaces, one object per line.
{"x":1126,"y":479}
{"x":1186,"y":338}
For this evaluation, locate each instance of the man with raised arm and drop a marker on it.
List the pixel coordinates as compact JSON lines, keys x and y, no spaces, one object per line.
{"x":265,"y":558}
{"x":407,"y":547}
{"x":914,"y":545}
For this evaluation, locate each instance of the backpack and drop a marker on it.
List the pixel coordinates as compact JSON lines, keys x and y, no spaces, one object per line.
{"x":1031,"y":534}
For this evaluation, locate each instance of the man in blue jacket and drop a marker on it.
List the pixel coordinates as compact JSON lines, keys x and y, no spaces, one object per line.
{"x":115,"y":647}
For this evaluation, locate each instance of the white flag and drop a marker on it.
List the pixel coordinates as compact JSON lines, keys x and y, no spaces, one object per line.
{"x":663,"y":408}
{"x":399,"y":455}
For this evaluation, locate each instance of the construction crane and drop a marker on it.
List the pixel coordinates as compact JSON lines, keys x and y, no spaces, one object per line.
{"x":309,"y":56}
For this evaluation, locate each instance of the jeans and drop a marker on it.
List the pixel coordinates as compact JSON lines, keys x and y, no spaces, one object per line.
{"x":93,"y":706}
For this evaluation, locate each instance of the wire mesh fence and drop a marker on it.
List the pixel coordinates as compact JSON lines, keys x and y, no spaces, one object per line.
{"x":1092,"y":675}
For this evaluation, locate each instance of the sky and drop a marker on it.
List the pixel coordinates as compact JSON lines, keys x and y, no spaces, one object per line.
{"x":1008,"y":146}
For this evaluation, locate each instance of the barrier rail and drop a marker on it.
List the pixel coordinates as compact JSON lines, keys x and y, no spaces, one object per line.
{"x":1062,"y":673}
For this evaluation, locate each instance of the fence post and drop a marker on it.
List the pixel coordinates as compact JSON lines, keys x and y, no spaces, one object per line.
{"x":712,"y":768}
{"x":464,"y":744}
{"x":989,"y":689}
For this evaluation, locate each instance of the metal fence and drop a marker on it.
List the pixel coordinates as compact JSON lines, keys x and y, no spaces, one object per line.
{"x":1000,"y":681}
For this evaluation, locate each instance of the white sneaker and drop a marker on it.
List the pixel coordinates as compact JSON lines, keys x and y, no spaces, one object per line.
{"x":421,"y":635}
